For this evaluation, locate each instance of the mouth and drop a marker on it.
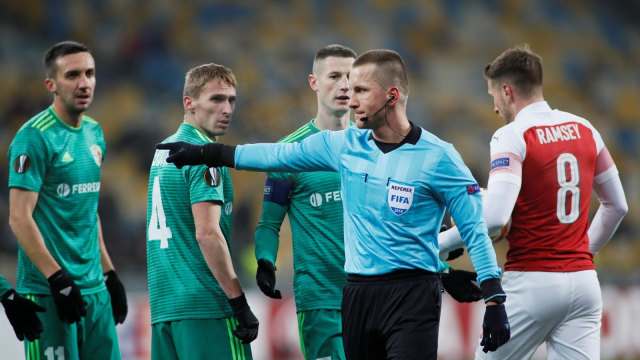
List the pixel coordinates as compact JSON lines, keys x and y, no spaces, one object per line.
{"x":83,"y":97}
{"x":343,"y":98}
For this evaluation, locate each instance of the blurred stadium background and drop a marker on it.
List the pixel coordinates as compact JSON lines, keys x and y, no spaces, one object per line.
{"x":590,"y":50}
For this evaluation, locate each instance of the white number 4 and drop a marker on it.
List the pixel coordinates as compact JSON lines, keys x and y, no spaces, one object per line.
{"x":158,"y":229}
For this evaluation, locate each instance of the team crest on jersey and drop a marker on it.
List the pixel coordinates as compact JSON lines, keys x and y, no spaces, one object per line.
{"x":96,"y":151}
{"x":212,"y":177}
{"x":22,"y":164}
{"x":400,"y":198}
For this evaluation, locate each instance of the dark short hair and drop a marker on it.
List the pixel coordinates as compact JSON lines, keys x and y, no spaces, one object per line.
{"x":391,"y":70}
{"x":60,"y":49}
{"x":199,"y":76}
{"x":518,"y":66}
{"x":335,"y":50}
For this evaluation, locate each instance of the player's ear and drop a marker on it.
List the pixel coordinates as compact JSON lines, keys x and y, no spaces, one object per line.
{"x":50,"y":85}
{"x":187,"y":102}
{"x":313,"y":82}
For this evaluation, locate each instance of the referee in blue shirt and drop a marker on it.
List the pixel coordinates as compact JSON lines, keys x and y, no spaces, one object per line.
{"x":397,"y":181}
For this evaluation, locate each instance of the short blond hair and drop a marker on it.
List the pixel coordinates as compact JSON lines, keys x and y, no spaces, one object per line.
{"x":199,"y":76}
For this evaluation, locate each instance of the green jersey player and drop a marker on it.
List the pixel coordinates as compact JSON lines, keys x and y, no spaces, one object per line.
{"x":54,"y":182}
{"x":314,"y":204}
{"x":198,"y":308}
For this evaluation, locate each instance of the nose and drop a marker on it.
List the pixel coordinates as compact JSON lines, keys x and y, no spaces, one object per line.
{"x":84,"y":82}
{"x":228,"y":108}
{"x":352,"y":102}
{"x":344,"y":83}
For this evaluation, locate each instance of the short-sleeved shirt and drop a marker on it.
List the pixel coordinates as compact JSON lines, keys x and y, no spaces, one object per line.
{"x":558,"y":153}
{"x":393,"y":201}
{"x":62,"y":164}
{"x":181,"y":285}
{"x":315,"y":215}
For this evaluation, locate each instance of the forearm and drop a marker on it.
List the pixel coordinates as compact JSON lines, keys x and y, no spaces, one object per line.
{"x":267,"y":236}
{"x":318,"y":152}
{"x":105,"y":259}
{"x":613,"y":207}
{"x":32,"y":243}
{"x":449,"y":240}
{"x":216,"y":253}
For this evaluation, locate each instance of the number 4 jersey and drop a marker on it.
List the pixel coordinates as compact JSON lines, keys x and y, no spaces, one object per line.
{"x":559,"y":156}
{"x":181,"y":286}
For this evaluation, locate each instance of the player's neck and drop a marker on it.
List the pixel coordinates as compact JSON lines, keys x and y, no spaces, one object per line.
{"x":73,"y":120}
{"x":332,"y":122}
{"x":523,"y":103}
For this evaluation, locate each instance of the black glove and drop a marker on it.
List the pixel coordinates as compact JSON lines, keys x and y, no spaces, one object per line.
{"x":66,"y":294}
{"x":21,"y":313}
{"x":461,"y":285}
{"x":247,"y":329}
{"x":266,"y":278}
{"x":183,"y":153}
{"x":454,"y":254}
{"x":212,"y":154}
{"x":495,"y":328}
{"x":118,"y":296}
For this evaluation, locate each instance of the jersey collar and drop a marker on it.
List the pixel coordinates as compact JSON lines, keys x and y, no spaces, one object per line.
{"x":540,"y":106}
{"x":412,"y":138}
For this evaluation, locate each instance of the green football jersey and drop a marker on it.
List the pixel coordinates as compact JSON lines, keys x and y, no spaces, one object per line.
{"x":315,"y":215}
{"x":181,"y":286}
{"x":4,"y":286}
{"x":62,"y":164}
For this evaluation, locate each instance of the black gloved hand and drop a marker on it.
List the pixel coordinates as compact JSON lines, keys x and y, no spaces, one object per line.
{"x":212,"y":154}
{"x":454,"y":254}
{"x":247,"y":329}
{"x":66,"y":294}
{"x":118,"y":296}
{"x":266,"y":279}
{"x":495,"y":328}
{"x":183,"y":153}
{"x":21,"y":313}
{"x":461,"y":285}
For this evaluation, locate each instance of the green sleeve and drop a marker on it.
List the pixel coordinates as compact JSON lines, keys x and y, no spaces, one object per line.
{"x":4,"y":286}
{"x":444,"y":265}
{"x":267,"y":238}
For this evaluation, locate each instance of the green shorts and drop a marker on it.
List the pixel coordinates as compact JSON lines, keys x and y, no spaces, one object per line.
{"x":321,"y":334}
{"x":197,"y":339}
{"x":94,"y":337}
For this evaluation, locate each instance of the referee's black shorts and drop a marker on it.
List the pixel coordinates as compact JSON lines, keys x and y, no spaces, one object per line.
{"x":391,"y":316}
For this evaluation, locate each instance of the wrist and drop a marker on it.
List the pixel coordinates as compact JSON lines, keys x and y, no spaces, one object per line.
{"x":56,"y":276}
{"x":239,"y":303}
{"x":492,"y":291}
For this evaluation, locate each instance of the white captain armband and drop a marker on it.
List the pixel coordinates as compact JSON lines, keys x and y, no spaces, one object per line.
{"x":278,"y":191}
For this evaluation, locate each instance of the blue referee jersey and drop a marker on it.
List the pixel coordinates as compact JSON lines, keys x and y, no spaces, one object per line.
{"x":393,"y":202}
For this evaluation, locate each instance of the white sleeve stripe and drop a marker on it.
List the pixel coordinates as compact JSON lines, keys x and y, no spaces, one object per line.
{"x":606,"y":175}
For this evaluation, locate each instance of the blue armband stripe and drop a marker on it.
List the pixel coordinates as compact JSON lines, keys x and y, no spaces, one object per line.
{"x":278,"y":191}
